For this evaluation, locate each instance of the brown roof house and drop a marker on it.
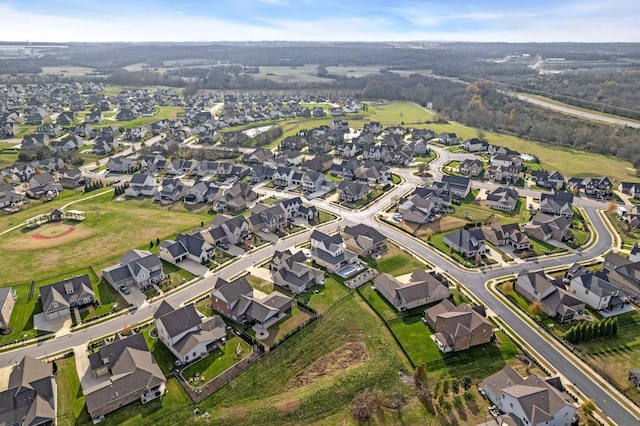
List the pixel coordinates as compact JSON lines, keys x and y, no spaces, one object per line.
{"x":529,"y":401}
{"x":457,"y":328}
{"x":186,"y":335}
{"x":128,"y":372}
{"x":555,"y":300}
{"x":235,"y":300}
{"x":30,"y":397}
{"x":364,"y":240}
{"x":59,"y":298}
{"x":422,"y":288}
{"x":7,"y":302}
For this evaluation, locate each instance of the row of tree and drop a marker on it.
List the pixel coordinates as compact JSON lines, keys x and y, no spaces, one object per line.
{"x":585,"y":331}
{"x":93,"y":185}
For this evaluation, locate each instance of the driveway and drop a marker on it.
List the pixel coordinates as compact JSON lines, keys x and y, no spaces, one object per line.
{"x":233,"y":250}
{"x":193,"y":267}
{"x":136,"y":297}
{"x":270,"y":237}
{"x":83,"y":368}
{"x":59,"y":326}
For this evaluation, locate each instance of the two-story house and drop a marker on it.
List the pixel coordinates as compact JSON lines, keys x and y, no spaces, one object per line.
{"x":60,"y":297}
{"x":138,"y":268}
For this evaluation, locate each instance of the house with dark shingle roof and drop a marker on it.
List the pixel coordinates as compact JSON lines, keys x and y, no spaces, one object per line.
{"x":60,"y":297}
{"x":329,"y":251}
{"x":185,"y":246}
{"x":596,"y":290}
{"x":530,"y":401}
{"x":544,"y":227}
{"x":503,"y":198}
{"x":137,"y":267}
{"x":30,"y":395}
{"x":468,"y":243}
{"x":141,"y":184}
{"x":291,"y":272}
{"x":423,"y":288}
{"x":364,"y":240}
{"x":128,"y":372}
{"x":353,"y":191}
{"x":556,"y":302}
{"x":457,"y":328}
{"x":235,"y":300}
{"x":560,"y":203}
{"x":186,"y":335}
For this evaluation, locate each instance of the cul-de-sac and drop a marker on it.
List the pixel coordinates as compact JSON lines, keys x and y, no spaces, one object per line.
{"x":308,"y":254}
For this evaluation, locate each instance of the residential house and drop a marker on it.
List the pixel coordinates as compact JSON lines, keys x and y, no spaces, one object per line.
{"x":273,"y":218}
{"x":319,"y":146}
{"x":236,"y":301}
{"x":320,"y":163}
{"x":456,"y":186}
{"x":172,"y":190}
{"x":314,"y":181}
{"x":291,"y":271}
{"x":294,"y":207}
{"x":65,"y":118}
{"x":329,"y":251}
{"x":126,"y":114}
{"x":624,"y":273}
{"x":471,"y":167}
{"x":634,"y":377}
{"x":71,"y":178}
{"x":225,"y":229}
{"x":59,"y":298}
{"x":372,"y":172}
{"x":548,"y":180}
{"x":448,"y":139}
{"x":531,"y":401}
{"x":560,"y":203}
{"x":630,"y":188}
{"x":259,"y":156}
{"x":104,"y":145}
{"x":469,"y":243}
{"x":475,"y":145}
{"x":186,"y":335}
{"x":416,"y":209}
{"x":374,"y":152}
{"x":9,"y":197}
{"x":186,"y":247}
{"x":457,"y":328}
{"x":203,"y":192}
{"x":347,"y":150}
{"x":423,"y":288}
{"x":127,"y":372}
{"x":503,"y":198}
{"x":137,"y":268}
{"x":544,"y":227}
{"x":364,"y":240}
{"x":353,"y":191}
{"x":595,"y":289}
{"x":70,"y":143}
{"x":43,"y":185}
{"x":8,"y":299}
{"x":507,"y":234}
{"x":556,"y":302}
{"x":505,"y":174}
{"x":284,"y":176}
{"x":599,"y":187}
{"x":121,"y":165}
{"x":260,"y":173}
{"x":34,"y":141}
{"x":419,"y":148}
{"x":141,"y":184}
{"x":28,"y":395}
{"x":372,"y":127}
{"x":50,"y":129}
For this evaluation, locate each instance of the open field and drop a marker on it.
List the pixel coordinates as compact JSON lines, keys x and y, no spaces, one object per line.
{"x":114,"y":227}
{"x":321,"y":297}
{"x":396,"y":262}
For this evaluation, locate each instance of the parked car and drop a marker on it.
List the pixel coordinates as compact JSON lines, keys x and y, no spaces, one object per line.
{"x":265,"y":230}
{"x":123,"y":288}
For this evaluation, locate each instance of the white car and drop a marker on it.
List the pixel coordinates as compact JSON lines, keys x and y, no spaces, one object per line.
{"x":265,"y":230}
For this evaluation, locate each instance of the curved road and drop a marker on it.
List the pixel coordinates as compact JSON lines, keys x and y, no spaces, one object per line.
{"x":474,"y":281}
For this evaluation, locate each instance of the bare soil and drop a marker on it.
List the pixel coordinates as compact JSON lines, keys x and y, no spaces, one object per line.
{"x":343,"y":358}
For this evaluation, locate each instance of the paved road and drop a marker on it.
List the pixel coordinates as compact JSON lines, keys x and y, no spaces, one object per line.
{"x":474,"y":281}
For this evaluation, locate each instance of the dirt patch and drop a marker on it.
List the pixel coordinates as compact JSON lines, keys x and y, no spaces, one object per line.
{"x":341,"y":359}
{"x":288,"y":407}
{"x":446,"y":223}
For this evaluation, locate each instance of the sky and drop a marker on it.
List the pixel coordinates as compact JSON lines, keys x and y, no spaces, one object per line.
{"x":320,"y":20}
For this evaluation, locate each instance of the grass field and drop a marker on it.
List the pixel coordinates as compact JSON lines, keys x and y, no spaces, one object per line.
{"x":71,"y":406}
{"x":321,"y":297}
{"x":113,"y":227}
{"x":396,"y":262}
{"x":217,"y":361}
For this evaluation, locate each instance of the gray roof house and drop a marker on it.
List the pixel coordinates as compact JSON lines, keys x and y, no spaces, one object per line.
{"x":225,"y":229}
{"x":329,"y":251}
{"x":142,"y":184}
{"x":422,"y":288}
{"x":129,"y":373}
{"x":544,"y":227}
{"x":503,"y":198}
{"x":186,"y":335}
{"x":364,"y":240}
{"x":172,"y":190}
{"x":554,"y":299}
{"x":60,"y":297}
{"x":185,"y":247}
{"x":30,"y":394}
{"x":291,"y":271}
{"x":595,"y":289}
{"x":137,"y":267}
{"x":530,"y":401}
{"x":467,"y":243}
{"x":559,"y":203}
{"x":353,"y":191}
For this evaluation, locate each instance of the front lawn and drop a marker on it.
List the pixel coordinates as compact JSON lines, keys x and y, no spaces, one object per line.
{"x":218,"y":361}
{"x":396,"y":262}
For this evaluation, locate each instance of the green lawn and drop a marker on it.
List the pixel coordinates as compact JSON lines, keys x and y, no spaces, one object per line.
{"x":164,"y":357}
{"x":415,"y":338}
{"x":321,"y":297}
{"x":109,"y":231}
{"x":71,"y":405}
{"x":217,"y":361}
{"x":396,"y":262}
{"x":542,"y":247}
{"x":313,"y":376}
{"x":379,"y":303}
{"x":7,"y":157}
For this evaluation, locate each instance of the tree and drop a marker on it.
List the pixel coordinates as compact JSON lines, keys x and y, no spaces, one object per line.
{"x":150,"y":243}
{"x":507,"y":287}
{"x":612,"y":206}
{"x":126,"y":330}
{"x":423,"y":388}
{"x":535,"y":309}
{"x":455,"y":386}
{"x":466,"y":382}
{"x":588,"y":407}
